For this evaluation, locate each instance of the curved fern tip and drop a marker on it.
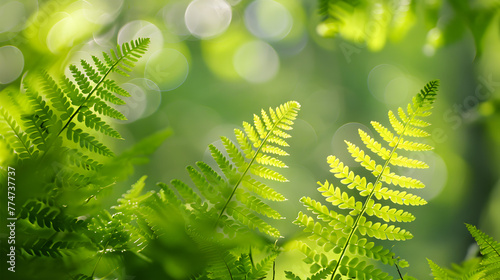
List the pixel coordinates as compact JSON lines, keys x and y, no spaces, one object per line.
{"x":297,"y":104}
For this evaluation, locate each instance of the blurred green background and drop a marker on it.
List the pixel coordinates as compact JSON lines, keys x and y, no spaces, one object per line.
{"x":212,"y":63}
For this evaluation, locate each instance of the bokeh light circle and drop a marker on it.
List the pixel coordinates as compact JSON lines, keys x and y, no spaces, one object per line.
{"x":168,"y":68}
{"x":12,"y":14}
{"x":268,"y":19}
{"x":145,"y":99}
{"x":348,"y":132}
{"x":141,"y":29}
{"x":61,"y":35}
{"x":102,"y":12}
{"x":173,"y":17}
{"x":208,"y":18}
{"x":389,"y":84}
{"x":434,"y":177}
{"x":256,"y":62}
{"x":11,"y":64}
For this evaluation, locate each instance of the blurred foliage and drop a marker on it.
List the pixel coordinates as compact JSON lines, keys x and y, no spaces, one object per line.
{"x":346,"y":62}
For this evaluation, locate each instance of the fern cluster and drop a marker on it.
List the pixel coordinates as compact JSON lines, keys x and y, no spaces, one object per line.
{"x":342,"y":236}
{"x":54,"y":133}
{"x":56,"y":126}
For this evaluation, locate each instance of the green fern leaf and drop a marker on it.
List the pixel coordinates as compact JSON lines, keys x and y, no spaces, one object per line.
{"x":341,"y":233}
{"x":251,"y":156}
{"x":102,"y":108}
{"x":438,"y":272}
{"x":247,"y":218}
{"x":77,"y":158}
{"x":92,"y":121}
{"x":56,"y":96}
{"x":291,"y":276}
{"x":87,"y":141}
{"x":48,"y":248}
{"x":47,"y":215}
{"x":469,"y":269}
{"x":17,"y":138}
{"x":490,"y":249}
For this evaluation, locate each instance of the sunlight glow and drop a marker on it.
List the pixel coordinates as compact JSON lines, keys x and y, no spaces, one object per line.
{"x":206,"y":19}
{"x":11,"y":64}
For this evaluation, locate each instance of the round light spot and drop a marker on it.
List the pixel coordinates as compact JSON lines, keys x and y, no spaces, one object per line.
{"x":145,"y":99}
{"x":398,"y":91}
{"x":388,"y":84}
{"x":256,"y":62}
{"x":141,"y":29}
{"x":168,"y":68}
{"x":11,"y":64}
{"x":348,"y":132}
{"x":379,"y":77}
{"x":102,"y":12}
{"x":61,"y":35}
{"x":173,"y":17}
{"x":106,"y":39}
{"x":208,"y":18}
{"x":12,"y":15}
{"x":434,"y":177}
{"x":268,"y":19}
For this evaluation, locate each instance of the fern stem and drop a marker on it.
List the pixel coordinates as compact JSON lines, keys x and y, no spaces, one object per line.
{"x":248,"y":168}
{"x":228,"y":269}
{"x":89,"y":95}
{"x":377,"y":181}
{"x":38,"y":129}
{"x":399,"y":272}
{"x":100,"y":257}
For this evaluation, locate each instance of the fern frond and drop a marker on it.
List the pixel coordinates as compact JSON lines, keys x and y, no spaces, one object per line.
{"x":77,"y":158}
{"x":437,"y":272}
{"x":16,"y":137}
{"x":469,"y":269}
{"x":291,"y":276}
{"x":490,"y":249}
{"x":107,"y":232}
{"x":341,"y":233}
{"x":257,"y":205}
{"x":354,"y":268}
{"x":92,"y":121}
{"x":93,"y":87}
{"x":102,"y":108}
{"x":247,"y":218}
{"x":47,"y":215}
{"x":396,"y":160}
{"x":132,"y":198}
{"x":250,"y":158}
{"x":57,"y":96}
{"x":262,"y":190}
{"x":87,"y":141}
{"x":48,"y":248}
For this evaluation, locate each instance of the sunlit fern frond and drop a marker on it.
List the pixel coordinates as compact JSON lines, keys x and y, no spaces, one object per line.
{"x":255,"y":153}
{"x":85,"y":101}
{"x":346,"y":232}
{"x":79,"y":104}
